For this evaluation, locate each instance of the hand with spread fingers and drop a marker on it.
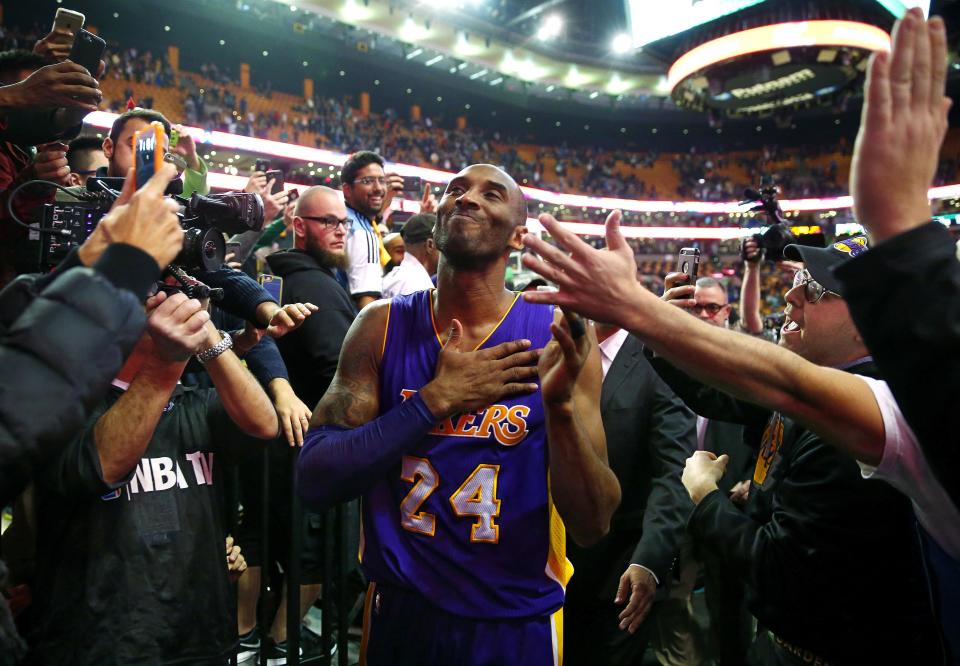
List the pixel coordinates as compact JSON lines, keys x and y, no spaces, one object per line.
{"x":902,"y":127}
{"x":593,"y":283}
{"x":468,"y":380}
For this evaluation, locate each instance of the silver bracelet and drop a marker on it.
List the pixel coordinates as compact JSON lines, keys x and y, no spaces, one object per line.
{"x":226,"y":342}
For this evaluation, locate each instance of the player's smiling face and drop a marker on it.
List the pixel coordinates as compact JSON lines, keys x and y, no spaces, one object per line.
{"x":480,"y":216}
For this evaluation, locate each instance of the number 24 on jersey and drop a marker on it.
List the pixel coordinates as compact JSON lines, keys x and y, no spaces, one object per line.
{"x":475,"y":498}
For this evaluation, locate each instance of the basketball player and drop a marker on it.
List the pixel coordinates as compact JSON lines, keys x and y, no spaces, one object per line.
{"x":469,"y":465}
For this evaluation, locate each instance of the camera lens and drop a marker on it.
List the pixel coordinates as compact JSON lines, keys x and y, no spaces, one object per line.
{"x":203,"y":250}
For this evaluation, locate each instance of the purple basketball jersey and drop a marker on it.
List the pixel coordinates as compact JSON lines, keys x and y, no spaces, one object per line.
{"x":466,"y":518}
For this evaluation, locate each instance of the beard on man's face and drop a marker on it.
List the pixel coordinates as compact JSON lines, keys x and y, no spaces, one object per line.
{"x":329,"y":259}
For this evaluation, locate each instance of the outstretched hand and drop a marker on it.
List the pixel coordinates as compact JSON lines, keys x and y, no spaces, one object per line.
{"x":594,"y":283}
{"x":902,"y":127}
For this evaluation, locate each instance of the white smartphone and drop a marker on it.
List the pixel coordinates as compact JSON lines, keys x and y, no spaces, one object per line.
{"x":67,"y":19}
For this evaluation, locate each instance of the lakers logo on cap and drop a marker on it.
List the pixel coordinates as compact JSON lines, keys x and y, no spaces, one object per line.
{"x":852,"y":246}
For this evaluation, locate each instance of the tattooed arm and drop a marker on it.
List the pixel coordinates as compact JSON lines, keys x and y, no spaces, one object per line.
{"x":353,"y":397}
{"x":350,"y":445}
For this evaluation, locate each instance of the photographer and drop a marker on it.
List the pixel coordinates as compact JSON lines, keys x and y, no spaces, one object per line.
{"x":129,"y":514}
{"x":64,"y":336}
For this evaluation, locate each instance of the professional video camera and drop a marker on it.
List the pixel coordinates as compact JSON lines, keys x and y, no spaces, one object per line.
{"x":66,"y":225}
{"x":778,"y":234}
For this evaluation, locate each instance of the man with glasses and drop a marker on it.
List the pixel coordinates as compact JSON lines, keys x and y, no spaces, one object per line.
{"x":365,"y":189}
{"x":828,"y":557}
{"x":311,"y":352}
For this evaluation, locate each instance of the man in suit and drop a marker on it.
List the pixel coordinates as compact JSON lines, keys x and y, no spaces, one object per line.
{"x":649,"y":434}
{"x":731,"y":626}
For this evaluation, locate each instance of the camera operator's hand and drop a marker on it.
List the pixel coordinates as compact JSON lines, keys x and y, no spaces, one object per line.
{"x":144,"y":218}
{"x":467,"y":380}
{"x":750,"y":251}
{"x":702,"y":472}
{"x":56,"y":44}
{"x":50,"y":163}
{"x":902,"y":127}
{"x":187,"y":148}
{"x":677,"y":292}
{"x":65,"y":84}
{"x":177,"y":326}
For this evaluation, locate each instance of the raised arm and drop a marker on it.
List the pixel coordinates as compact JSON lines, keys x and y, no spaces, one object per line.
{"x":243,"y":398}
{"x":835,"y":404}
{"x":582,"y":484}
{"x":750,"y":318}
{"x":124,"y":431}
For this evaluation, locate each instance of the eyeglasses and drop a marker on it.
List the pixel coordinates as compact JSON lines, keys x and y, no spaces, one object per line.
{"x":328,"y":221}
{"x":813,"y":291}
{"x":711,"y":308}
{"x":370,"y":180}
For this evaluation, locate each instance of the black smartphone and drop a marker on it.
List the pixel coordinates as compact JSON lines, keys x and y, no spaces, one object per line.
{"x":88,"y":51}
{"x":277,"y":176}
{"x":689,"y":263}
{"x":262,"y":165}
{"x":413,"y":184}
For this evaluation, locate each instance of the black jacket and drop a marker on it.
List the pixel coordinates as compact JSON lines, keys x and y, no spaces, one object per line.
{"x":904,"y":295}
{"x":829,"y":558}
{"x":62,"y":339}
{"x":650,"y":434}
{"x":312,"y":352}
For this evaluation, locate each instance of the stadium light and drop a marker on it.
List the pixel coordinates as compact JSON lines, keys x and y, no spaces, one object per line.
{"x":777,"y":37}
{"x":551,"y":28}
{"x":621,"y":44}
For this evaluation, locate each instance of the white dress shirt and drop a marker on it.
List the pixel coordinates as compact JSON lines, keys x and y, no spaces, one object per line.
{"x":609,"y":349}
{"x":409,"y":277}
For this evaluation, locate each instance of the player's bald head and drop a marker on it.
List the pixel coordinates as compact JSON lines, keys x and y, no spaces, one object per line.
{"x":495,"y":174}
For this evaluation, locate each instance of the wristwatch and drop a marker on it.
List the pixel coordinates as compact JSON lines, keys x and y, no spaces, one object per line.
{"x":226,"y":342}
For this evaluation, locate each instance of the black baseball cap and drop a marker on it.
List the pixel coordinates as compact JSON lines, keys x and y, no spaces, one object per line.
{"x":821,"y":261}
{"x":418,"y":228}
